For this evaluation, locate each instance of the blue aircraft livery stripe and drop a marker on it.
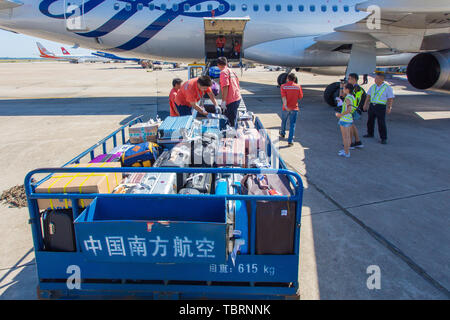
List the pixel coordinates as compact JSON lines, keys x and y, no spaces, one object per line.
{"x":125,"y":14}
{"x":160,"y":23}
{"x":116,"y":21}
{"x":44,"y":7}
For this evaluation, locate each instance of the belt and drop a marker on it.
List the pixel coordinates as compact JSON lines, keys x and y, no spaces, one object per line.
{"x":377,"y":104}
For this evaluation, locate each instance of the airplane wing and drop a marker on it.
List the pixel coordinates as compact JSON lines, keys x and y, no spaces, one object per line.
{"x":394,"y":26}
{"x":9,"y":4}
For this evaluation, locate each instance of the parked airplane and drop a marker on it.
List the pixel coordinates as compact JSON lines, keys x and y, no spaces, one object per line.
{"x":44,"y":53}
{"x":320,"y":36}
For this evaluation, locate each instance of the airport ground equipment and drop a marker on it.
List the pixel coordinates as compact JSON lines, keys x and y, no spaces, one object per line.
{"x":164,"y":246}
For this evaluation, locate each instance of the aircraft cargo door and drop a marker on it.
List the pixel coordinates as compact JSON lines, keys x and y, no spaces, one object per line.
{"x":229,"y":31}
{"x":74,"y":15}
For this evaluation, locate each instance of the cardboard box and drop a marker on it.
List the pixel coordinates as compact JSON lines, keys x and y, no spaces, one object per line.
{"x":143,"y":132}
{"x":78,"y":183}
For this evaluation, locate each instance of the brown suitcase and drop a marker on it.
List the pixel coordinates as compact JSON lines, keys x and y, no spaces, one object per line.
{"x":275,"y":220}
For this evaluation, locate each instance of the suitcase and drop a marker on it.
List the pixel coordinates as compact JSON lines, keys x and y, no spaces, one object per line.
{"x":107,"y":158}
{"x":201,"y":182}
{"x":121,"y":149}
{"x":58,"y":230}
{"x":246,"y":124}
{"x":231,"y":152}
{"x":254,"y":141}
{"x":141,"y":155}
{"x":187,"y":191}
{"x":153,"y":183}
{"x":178,"y":157}
{"x":175,"y":128}
{"x":275,"y":220}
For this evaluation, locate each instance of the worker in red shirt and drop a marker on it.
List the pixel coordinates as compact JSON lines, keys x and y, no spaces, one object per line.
{"x":220,"y":45}
{"x":291,"y":93}
{"x":191,"y":93}
{"x":237,"y":50}
{"x":231,"y":91}
{"x":176,"y":84}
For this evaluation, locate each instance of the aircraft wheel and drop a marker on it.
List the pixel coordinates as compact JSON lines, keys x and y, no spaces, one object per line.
{"x":331,"y":93}
{"x":282,"y":78}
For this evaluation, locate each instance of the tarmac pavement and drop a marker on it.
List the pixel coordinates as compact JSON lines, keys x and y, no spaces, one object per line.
{"x":386,"y":206}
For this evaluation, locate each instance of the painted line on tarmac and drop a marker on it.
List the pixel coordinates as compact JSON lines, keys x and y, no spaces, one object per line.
{"x":386,"y":243}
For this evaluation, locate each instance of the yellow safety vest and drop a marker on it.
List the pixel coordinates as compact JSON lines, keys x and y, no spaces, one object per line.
{"x":375,"y":95}
{"x":348,"y":117}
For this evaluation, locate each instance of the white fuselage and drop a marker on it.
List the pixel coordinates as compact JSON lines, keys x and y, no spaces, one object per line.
{"x":274,"y":35}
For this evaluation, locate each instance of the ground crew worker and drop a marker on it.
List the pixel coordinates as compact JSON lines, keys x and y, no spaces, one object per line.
{"x":191,"y":93}
{"x":380,"y":97}
{"x":358,"y":93}
{"x":291,"y":93}
{"x":220,"y":45}
{"x":346,"y":119}
{"x":231,"y":91}
{"x":237,"y":50}
{"x":176,"y":85}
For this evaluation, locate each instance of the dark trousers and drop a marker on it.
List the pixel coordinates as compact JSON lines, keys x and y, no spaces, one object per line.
{"x":377,"y":111}
{"x":184,"y":110}
{"x":231,"y":112}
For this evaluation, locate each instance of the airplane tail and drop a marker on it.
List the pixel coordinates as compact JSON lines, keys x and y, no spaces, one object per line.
{"x":43,"y":51}
{"x":65,"y":52}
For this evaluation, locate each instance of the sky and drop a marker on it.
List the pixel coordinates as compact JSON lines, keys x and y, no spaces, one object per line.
{"x":21,"y":46}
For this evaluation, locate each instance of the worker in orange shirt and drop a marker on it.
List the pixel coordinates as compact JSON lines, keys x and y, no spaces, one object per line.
{"x":176,"y":84}
{"x":220,"y":45}
{"x":191,"y":93}
{"x":237,"y":50}
{"x":231,"y":91}
{"x":291,"y":93}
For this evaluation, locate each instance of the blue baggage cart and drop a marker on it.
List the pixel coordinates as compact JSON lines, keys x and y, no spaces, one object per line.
{"x":156,"y":246}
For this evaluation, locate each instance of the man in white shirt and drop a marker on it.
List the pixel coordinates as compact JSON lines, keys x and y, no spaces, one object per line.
{"x":380,"y":97}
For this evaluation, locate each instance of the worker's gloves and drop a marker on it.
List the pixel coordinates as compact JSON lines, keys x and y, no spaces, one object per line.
{"x":339,"y":102}
{"x":224,"y":106}
{"x":218,"y":110}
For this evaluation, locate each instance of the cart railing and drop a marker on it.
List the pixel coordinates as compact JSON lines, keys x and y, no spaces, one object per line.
{"x":252,"y":199}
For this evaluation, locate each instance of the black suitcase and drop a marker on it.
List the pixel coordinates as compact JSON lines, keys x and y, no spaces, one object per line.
{"x":59,"y":234}
{"x":175,"y":159}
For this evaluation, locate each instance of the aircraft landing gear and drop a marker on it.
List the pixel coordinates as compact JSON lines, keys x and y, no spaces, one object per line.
{"x":331,"y":93}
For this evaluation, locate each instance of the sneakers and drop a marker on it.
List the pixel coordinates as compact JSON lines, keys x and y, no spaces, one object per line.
{"x":282,"y":136}
{"x":383,"y":141}
{"x":290,"y":144}
{"x":343,"y":154}
{"x":358,"y":144}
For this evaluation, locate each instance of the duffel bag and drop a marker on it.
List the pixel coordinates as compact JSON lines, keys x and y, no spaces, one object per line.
{"x":141,"y":155}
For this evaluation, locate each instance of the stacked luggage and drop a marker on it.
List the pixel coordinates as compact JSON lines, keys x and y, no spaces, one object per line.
{"x":185,"y":142}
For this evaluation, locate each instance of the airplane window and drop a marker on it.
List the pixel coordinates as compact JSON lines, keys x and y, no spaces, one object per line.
{"x":278,"y":7}
{"x":244,"y":7}
{"x":323,"y":8}
{"x":140,"y":6}
{"x":356,"y":9}
{"x":233,"y":7}
{"x":210,"y":7}
{"x":175,"y":7}
{"x":335,"y":8}
{"x":163,"y":6}
{"x":289,"y":7}
{"x":151,"y":6}
{"x":187,"y":7}
{"x":116,"y":6}
{"x":128,"y":7}
{"x":198,"y":7}
{"x":267,"y":7}
{"x":255,"y":7}
{"x":221,"y":8}
{"x":312,"y":8}
{"x":346,"y":8}
{"x":301,"y":8}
